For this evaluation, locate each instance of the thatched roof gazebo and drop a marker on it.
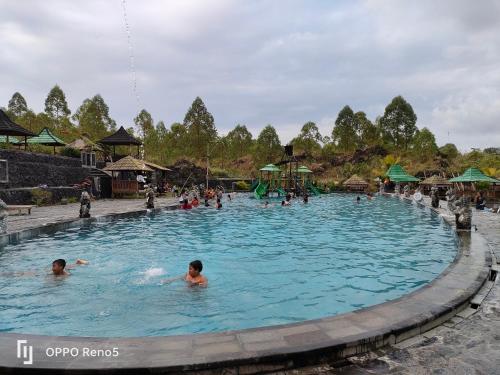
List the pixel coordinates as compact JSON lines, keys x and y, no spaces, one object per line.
{"x":9,"y":128}
{"x":121,"y":138}
{"x":123,"y":172}
{"x":355,"y":183}
{"x":46,"y":138}
{"x":436,"y":180}
{"x":85,"y":144}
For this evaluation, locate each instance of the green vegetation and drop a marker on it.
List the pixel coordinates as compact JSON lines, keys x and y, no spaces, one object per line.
{"x":356,"y":144}
{"x":41,"y":197}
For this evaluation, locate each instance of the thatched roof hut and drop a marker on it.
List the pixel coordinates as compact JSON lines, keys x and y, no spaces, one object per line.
{"x":355,"y":183}
{"x":436,"y":180}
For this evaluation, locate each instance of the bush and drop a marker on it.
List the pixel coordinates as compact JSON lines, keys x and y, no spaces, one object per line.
{"x":242,"y":185}
{"x":41,"y":197}
{"x":70,"y":152}
{"x":482,"y":185}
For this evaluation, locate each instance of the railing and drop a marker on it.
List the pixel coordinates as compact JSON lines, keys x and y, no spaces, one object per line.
{"x":124,"y":187}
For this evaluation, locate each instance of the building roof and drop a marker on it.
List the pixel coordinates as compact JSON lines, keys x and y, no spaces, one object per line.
{"x":120,"y":138}
{"x":83,"y":143}
{"x":355,"y":180}
{"x":9,"y":127}
{"x":14,"y":141}
{"x":435,"y":180}
{"x":303,"y":169}
{"x":474,"y":175}
{"x":47,"y":138}
{"x":156,"y":166}
{"x":396,"y":173}
{"x":128,"y":163}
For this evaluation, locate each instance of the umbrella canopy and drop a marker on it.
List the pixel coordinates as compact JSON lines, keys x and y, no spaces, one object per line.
{"x":128,"y":163}
{"x":396,"y":173}
{"x":303,"y":169}
{"x":270,"y":168}
{"x":14,"y":141}
{"x":9,"y":127}
{"x":46,"y":138}
{"x":474,"y":175}
{"x":435,"y":180}
{"x":120,"y":138}
{"x":355,"y":180}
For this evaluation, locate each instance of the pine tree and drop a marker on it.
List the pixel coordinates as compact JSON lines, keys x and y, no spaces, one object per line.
{"x":201,"y":129}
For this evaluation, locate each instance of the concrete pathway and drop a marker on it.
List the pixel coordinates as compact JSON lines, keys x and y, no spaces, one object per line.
{"x":52,"y":214}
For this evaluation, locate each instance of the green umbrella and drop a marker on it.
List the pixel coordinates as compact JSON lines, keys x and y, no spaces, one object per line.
{"x":303,"y":169}
{"x":270,"y":168}
{"x":396,"y":173}
{"x":474,"y":175}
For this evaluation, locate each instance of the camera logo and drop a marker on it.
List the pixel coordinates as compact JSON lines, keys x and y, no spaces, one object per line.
{"x":25,"y":352}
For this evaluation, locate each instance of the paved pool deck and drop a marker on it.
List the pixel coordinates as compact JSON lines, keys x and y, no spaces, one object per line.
{"x":285,"y":348}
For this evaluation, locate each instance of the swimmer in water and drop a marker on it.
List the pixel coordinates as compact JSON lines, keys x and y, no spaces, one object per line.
{"x":285,"y":203}
{"x":358,"y":199}
{"x":59,"y":266}
{"x":265,"y":205}
{"x":193,"y":277}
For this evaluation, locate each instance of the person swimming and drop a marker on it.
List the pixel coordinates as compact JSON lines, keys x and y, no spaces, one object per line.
{"x":306,"y":198}
{"x":194,"y":277}
{"x":229,"y":197}
{"x":266,"y":204}
{"x":218,"y":205}
{"x":195,"y":202}
{"x":358,"y":199}
{"x":285,"y":203}
{"x":186,"y":205}
{"x":59,"y":266}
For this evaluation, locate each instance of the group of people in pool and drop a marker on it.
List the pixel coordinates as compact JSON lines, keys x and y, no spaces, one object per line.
{"x":186,"y":202}
{"x":192,"y":277}
{"x":287,"y":201}
{"x":369,"y":196}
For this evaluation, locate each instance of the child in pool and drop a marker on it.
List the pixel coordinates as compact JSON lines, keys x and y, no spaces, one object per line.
{"x":193,"y":276}
{"x":59,"y":265}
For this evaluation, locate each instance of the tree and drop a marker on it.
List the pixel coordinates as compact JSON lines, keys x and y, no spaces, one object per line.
{"x":56,"y":106}
{"x":239,"y":141}
{"x":93,"y":118}
{"x":309,"y":139}
{"x":268,"y":145}
{"x":367,"y":133}
{"x":144,"y":121}
{"x":17,"y":106}
{"x":201,"y":129}
{"x":399,"y":122}
{"x":449,"y":151}
{"x":424,"y":144}
{"x":344,"y":133}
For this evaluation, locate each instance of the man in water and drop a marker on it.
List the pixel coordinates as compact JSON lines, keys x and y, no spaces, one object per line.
{"x":358,"y":199}
{"x":285,"y":203}
{"x":218,"y":205}
{"x":59,"y":265}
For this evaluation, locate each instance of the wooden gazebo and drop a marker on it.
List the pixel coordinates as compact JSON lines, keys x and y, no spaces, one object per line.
{"x":121,"y":138}
{"x":10,"y":128}
{"x":356,"y":183}
{"x":124,"y":178}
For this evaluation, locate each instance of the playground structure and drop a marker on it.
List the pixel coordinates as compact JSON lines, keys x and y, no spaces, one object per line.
{"x":277,"y":182}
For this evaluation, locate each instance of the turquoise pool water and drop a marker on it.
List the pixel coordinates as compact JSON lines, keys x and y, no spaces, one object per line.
{"x":265,"y":267}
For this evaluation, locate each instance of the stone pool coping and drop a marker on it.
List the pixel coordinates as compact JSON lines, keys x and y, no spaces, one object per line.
{"x":263,"y":349}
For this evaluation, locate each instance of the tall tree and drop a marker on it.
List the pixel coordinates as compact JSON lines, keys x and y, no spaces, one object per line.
{"x":144,"y":121}
{"x":239,"y":141}
{"x":367,"y":133}
{"x":424,"y":144}
{"x":93,"y":118}
{"x":344,"y":134}
{"x":399,"y":122}
{"x":201,"y":128}
{"x":309,"y":139}
{"x":17,"y":106}
{"x":268,"y":145}
{"x":449,"y":151}
{"x":56,"y":106}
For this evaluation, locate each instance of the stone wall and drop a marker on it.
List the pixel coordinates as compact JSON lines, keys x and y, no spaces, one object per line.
{"x":49,"y":195}
{"x":28,"y":169}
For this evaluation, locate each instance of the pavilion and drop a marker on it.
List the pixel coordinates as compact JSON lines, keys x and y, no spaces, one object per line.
{"x":356,"y":183}
{"x":46,"y":138}
{"x":10,"y":128}
{"x":121,"y":138}
{"x":124,"y":175}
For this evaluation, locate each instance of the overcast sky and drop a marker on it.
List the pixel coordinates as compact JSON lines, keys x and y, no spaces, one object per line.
{"x":263,"y":62}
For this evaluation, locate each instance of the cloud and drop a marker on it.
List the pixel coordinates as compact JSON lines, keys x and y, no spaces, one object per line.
{"x":263,"y":61}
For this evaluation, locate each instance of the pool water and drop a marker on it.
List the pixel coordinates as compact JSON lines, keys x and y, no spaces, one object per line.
{"x":265,"y":267}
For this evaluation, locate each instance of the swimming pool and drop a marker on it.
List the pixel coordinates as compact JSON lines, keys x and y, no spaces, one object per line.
{"x":265,"y":267}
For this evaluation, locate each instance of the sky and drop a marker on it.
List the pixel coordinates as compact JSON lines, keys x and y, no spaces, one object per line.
{"x":263,"y":62}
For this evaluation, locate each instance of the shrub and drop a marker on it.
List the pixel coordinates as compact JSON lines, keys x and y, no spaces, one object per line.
{"x":41,"y":197}
{"x":242,"y":185}
{"x":482,"y":185}
{"x":70,"y":152}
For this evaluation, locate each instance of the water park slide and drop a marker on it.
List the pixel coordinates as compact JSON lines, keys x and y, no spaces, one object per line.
{"x":313,"y":189}
{"x":281,"y":192}
{"x":260,"y":190}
